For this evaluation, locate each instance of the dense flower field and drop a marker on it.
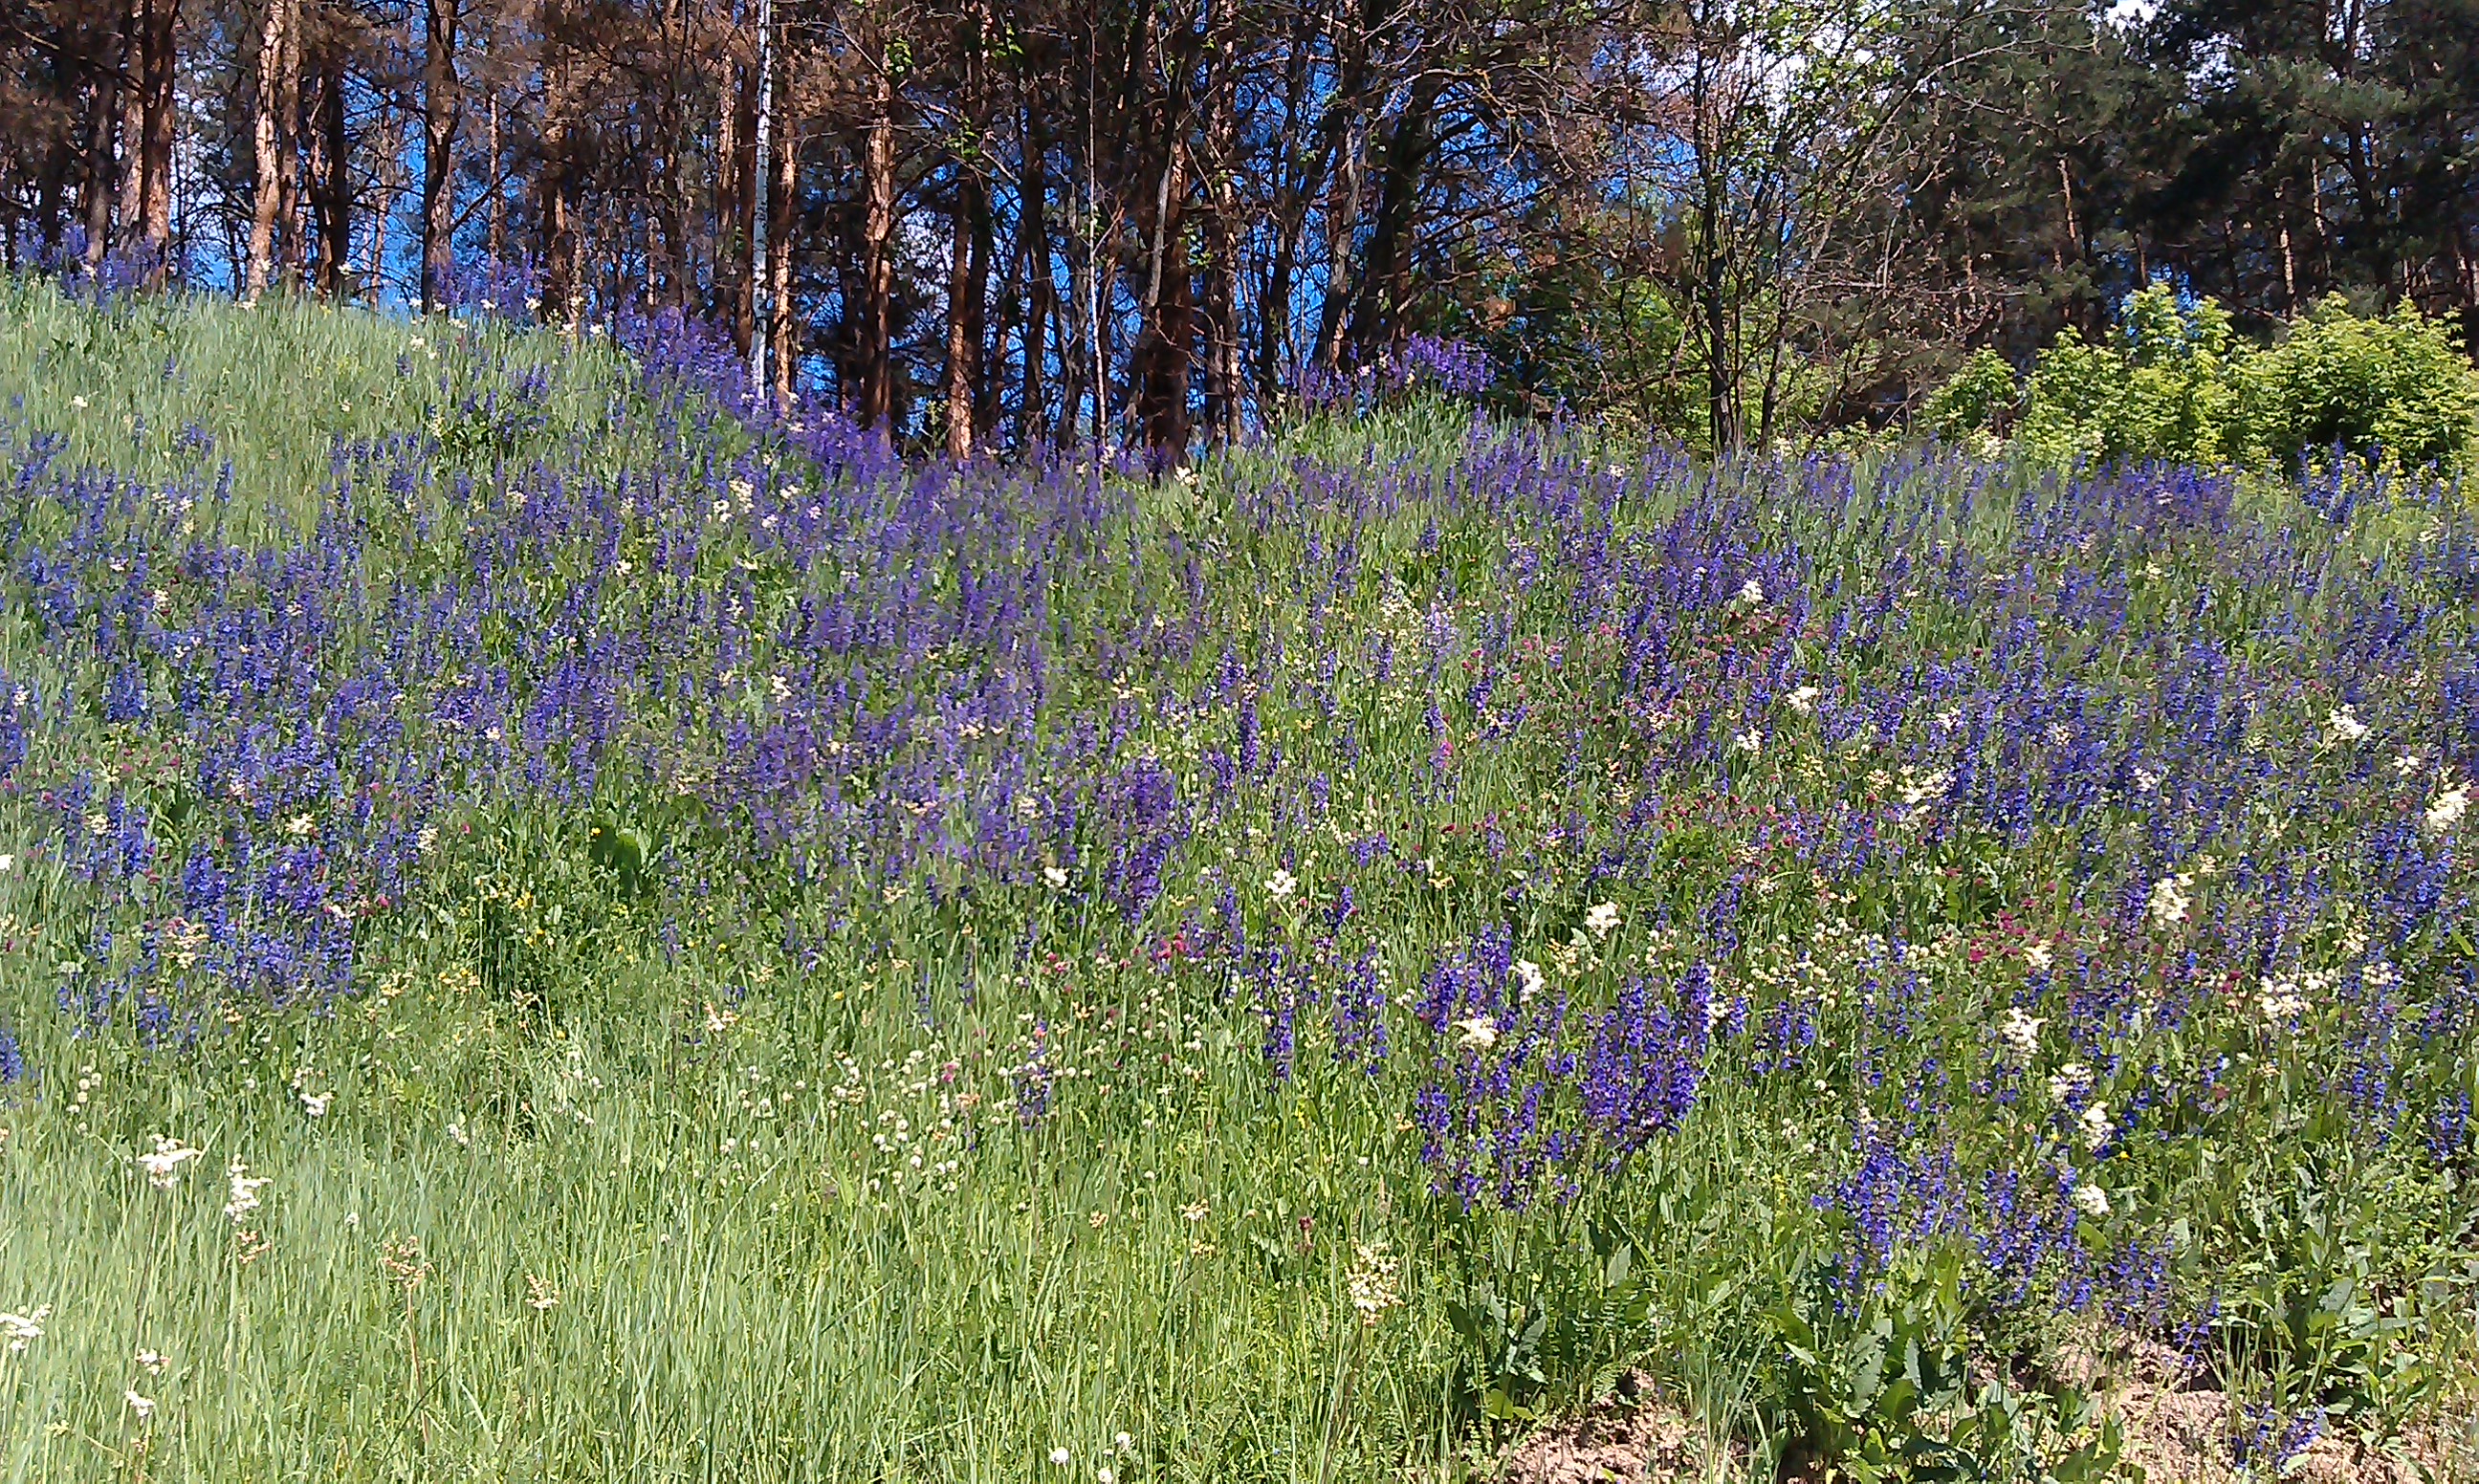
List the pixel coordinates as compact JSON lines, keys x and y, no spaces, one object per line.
{"x":747,"y":958}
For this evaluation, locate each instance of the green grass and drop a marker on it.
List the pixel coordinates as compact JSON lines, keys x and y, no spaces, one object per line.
{"x":732,"y":1300}
{"x":164,"y":389}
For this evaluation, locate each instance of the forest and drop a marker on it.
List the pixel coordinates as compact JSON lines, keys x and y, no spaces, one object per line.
{"x":985,"y":226}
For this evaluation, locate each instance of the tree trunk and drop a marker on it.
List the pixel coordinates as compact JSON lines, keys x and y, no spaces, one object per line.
{"x":784,"y":352}
{"x":101,"y":173}
{"x":735,"y":205}
{"x":1711,"y":237}
{"x":1165,"y":341}
{"x":1297,"y":183}
{"x":389,"y":153}
{"x":289,"y":249}
{"x":968,"y":261}
{"x":1385,"y":284}
{"x":335,"y":203}
{"x":157,"y":128}
{"x":1032,"y":229}
{"x":962,"y":310}
{"x":1341,"y":218}
{"x":556,"y":204}
{"x":269,"y":131}
{"x":876,"y":327}
{"x":441,"y":106}
{"x":1221,"y":245}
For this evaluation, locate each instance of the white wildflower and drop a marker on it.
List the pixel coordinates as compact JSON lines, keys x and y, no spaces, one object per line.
{"x":2097,"y":1128}
{"x":243,"y":1191}
{"x":315,"y":1104}
{"x":2021,"y":1032}
{"x":2038,"y":955}
{"x":1753,"y":593}
{"x":1926,"y":789}
{"x":163,"y":1167}
{"x":1056,"y":878}
{"x":2280,"y":1000}
{"x":2447,"y":808}
{"x":21,"y":1330}
{"x":2170,"y":904}
{"x":1751,"y":742}
{"x":2068,"y":1080}
{"x":2342,"y":726}
{"x":1603,"y":919}
{"x":153,"y":1362}
{"x":1529,"y":979}
{"x":1373,"y":1281}
{"x":1803,"y":700}
{"x":1281,"y":885}
{"x":144,"y":1406}
{"x":2091,"y":1200}
{"x":1062,"y":1457}
{"x":2408,"y":763}
{"x":1479,"y":1032}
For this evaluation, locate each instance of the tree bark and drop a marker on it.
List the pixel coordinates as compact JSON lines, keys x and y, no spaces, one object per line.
{"x":269,"y":132}
{"x":158,"y":127}
{"x":555,"y":211}
{"x":962,"y":311}
{"x":101,"y":173}
{"x":875,"y":326}
{"x":1165,"y":341}
{"x":783,"y":329}
{"x":967,"y":262}
{"x":335,"y":203}
{"x":1033,"y":228}
{"x":441,"y":108}
{"x":1221,"y":327}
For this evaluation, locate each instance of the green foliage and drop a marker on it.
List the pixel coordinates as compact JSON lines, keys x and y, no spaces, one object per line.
{"x":1893,"y":1389}
{"x":2164,"y":389}
{"x":1979,"y":401}
{"x":2400,"y":383}
{"x":2176,"y":382}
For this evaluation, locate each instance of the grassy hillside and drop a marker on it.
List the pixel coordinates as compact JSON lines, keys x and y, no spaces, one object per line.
{"x":733,"y":960}
{"x":159,"y":389}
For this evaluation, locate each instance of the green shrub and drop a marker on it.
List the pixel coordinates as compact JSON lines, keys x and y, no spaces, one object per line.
{"x":2176,"y":381}
{"x":2400,"y":384}
{"x":1979,"y":402}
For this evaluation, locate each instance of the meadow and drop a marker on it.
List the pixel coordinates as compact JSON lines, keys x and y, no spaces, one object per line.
{"x":555,"y":928}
